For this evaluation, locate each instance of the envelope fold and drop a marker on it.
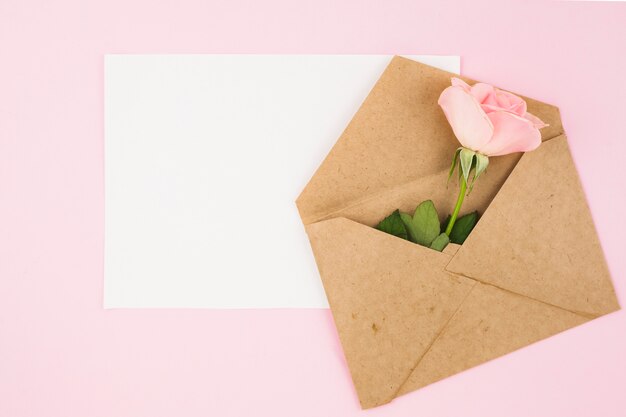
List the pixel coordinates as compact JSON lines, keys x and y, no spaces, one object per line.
{"x":390,"y":299}
{"x":490,"y":323}
{"x":398,"y":136}
{"x":432,"y":187}
{"x":537,"y":238}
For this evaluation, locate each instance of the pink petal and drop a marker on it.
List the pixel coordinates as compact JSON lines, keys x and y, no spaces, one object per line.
{"x":511,"y":102}
{"x":457,"y":82}
{"x":518,"y":108}
{"x":535,"y":120}
{"x":488,"y":108}
{"x":469,"y":122}
{"x":511,"y":134}
{"x":484,"y":93}
{"x":503,"y":100}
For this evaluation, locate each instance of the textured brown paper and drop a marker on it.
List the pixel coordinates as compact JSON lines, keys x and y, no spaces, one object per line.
{"x":408,"y":316}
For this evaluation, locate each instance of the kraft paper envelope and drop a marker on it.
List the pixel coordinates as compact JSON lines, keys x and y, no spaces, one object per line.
{"x":408,"y":316}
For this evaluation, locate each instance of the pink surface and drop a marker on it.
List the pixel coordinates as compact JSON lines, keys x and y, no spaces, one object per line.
{"x":61,"y":355}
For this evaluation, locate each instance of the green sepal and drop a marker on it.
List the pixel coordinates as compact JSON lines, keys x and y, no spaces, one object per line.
{"x":480,"y":165}
{"x":455,"y":160}
{"x":467,"y":160}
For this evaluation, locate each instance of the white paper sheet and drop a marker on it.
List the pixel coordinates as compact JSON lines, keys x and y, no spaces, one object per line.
{"x":204,"y":158}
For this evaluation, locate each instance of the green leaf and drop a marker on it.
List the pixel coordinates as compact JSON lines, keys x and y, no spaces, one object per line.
{"x":424,"y":226}
{"x":410,"y":228}
{"x":393,"y":225}
{"x":444,"y":224}
{"x":426,"y":221}
{"x":440,"y":242}
{"x":462,"y":227}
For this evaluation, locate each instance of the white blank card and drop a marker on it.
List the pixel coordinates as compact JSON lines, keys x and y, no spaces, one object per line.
{"x":204,"y":158}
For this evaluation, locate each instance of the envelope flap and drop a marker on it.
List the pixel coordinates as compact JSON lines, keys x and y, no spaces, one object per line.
{"x":389,"y":297}
{"x":490,"y":323}
{"x":398,"y":135}
{"x":537,"y":237}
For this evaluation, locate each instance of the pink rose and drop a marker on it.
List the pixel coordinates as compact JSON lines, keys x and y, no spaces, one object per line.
{"x":490,"y":121}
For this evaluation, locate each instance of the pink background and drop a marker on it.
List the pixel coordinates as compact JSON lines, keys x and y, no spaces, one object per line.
{"x":62,"y":355}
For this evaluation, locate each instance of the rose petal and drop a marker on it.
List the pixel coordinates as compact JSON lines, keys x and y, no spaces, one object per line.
{"x":484,"y":93}
{"x":457,"y":82}
{"x":488,"y":108}
{"x":511,"y":102}
{"x":511,"y":134}
{"x":535,"y":120}
{"x":519,"y":109}
{"x":503,"y":100}
{"x":469,"y":122}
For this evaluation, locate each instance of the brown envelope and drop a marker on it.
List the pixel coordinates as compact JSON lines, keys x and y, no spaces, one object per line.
{"x":408,"y":316}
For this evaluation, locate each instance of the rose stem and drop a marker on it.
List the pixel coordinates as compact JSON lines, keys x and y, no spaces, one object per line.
{"x":457,"y":208}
